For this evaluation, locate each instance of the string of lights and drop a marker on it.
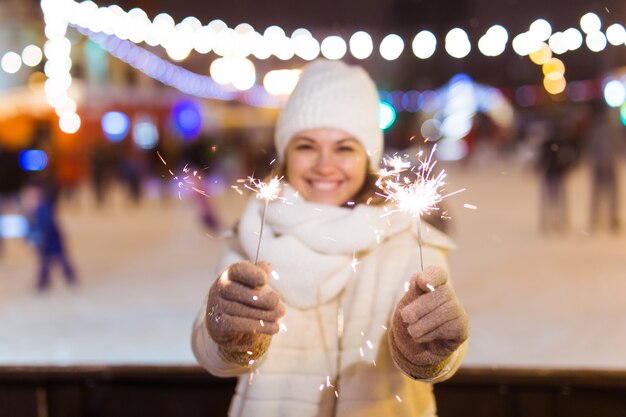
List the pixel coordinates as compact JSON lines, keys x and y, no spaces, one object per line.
{"x":235,"y":45}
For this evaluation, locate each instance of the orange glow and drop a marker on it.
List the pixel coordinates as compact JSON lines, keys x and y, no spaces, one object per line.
{"x":553,"y":65}
{"x":554,"y":85}
{"x":542,"y":55}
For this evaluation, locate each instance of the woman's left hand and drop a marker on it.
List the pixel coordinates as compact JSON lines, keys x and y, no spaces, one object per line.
{"x":429,"y":323}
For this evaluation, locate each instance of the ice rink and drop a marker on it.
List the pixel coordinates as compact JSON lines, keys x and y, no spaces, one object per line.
{"x":556,"y":301}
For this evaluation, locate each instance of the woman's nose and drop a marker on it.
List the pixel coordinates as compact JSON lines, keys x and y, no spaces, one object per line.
{"x":325,"y":162}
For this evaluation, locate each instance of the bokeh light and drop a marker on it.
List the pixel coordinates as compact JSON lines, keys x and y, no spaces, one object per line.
{"x":451,"y":150}
{"x":305,"y":46}
{"x":596,"y":41}
{"x":69,"y":123}
{"x":243,"y":74}
{"x":391,"y":47}
{"x":493,"y":42}
{"x":553,"y":65}
{"x":281,"y":82}
{"x":573,"y":39}
{"x":412,"y":101}
{"x":187,"y":119}
{"x":614,"y":93}
{"x":615,"y":34}
{"x":526,"y":43}
{"x":386,"y":115}
{"x":204,"y":39}
{"x":542,"y":55}
{"x":333,"y":47}
{"x":558,"y":43}
{"x":431,"y":130}
{"x":115,"y":125}
{"x":554,"y":84}
{"x":283,"y":48}
{"x":33,"y":160}
{"x":65,"y":105}
{"x":32,"y":55}
{"x":541,"y":29}
{"x":590,"y":23}
{"x":361,"y":45}
{"x":145,"y":133}
{"x":13,"y":226}
{"x":457,"y":43}
{"x":11,"y":62}
{"x":220,"y":71}
{"x":424,"y":44}
{"x":160,"y":30}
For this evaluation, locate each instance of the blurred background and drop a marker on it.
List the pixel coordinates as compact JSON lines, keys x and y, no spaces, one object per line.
{"x":125,"y":131}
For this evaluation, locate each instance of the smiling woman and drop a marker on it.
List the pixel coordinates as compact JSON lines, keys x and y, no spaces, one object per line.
{"x":330,"y":334}
{"x":327,"y":166}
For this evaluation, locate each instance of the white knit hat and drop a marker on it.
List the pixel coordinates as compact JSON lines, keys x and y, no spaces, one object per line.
{"x":331,"y":94}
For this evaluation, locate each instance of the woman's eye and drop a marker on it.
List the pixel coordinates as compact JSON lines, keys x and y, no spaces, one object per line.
{"x":345,"y":149}
{"x":303,"y":147}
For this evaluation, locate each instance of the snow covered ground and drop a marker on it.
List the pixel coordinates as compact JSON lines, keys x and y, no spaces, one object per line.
{"x":533,"y":300}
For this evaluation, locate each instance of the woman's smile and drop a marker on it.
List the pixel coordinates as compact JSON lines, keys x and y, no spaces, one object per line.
{"x":327,"y":166}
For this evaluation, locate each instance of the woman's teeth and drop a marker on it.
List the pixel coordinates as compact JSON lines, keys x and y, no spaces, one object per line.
{"x":324,"y":185}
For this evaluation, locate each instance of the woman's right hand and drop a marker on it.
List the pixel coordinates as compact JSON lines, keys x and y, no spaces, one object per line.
{"x":243,"y":311}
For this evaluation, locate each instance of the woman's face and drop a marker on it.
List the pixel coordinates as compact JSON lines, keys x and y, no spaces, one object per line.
{"x":326,"y":166}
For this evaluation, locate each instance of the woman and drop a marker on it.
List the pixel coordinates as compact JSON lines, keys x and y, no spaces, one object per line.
{"x":337,"y":320}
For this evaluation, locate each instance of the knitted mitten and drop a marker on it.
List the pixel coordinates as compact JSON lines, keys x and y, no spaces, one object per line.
{"x":243,"y":312}
{"x":428,"y":325}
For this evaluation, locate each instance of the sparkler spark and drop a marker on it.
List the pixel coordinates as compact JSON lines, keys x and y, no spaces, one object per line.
{"x":188,"y":179}
{"x":397,"y":163}
{"x":417,"y":196}
{"x":265,"y":191}
{"x":394,"y":166}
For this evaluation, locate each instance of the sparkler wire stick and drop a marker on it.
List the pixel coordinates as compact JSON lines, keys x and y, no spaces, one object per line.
{"x":258,"y":248}
{"x":267,"y":192}
{"x":419,"y":240}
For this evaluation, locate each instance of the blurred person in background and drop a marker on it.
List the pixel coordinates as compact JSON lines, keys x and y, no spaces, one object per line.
{"x":101,"y":171}
{"x":558,"y":155}
{"x":131,"y":170}
{"x":604,"y":145}
{"x":364,"y":337}
{"x":40,"y":202}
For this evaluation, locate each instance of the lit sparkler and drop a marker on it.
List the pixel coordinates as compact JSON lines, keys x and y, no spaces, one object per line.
{"x":267,"y":192}
{"x":418,"y":196}
{"x":397,"y":163}
{"x":394,"y":166}
{"x":188,"y":179}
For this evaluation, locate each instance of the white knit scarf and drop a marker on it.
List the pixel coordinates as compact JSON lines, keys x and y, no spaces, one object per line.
{"x":311,"y":246}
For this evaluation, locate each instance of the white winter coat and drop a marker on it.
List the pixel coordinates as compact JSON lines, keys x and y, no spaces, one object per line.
{"x":298,"y":375}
